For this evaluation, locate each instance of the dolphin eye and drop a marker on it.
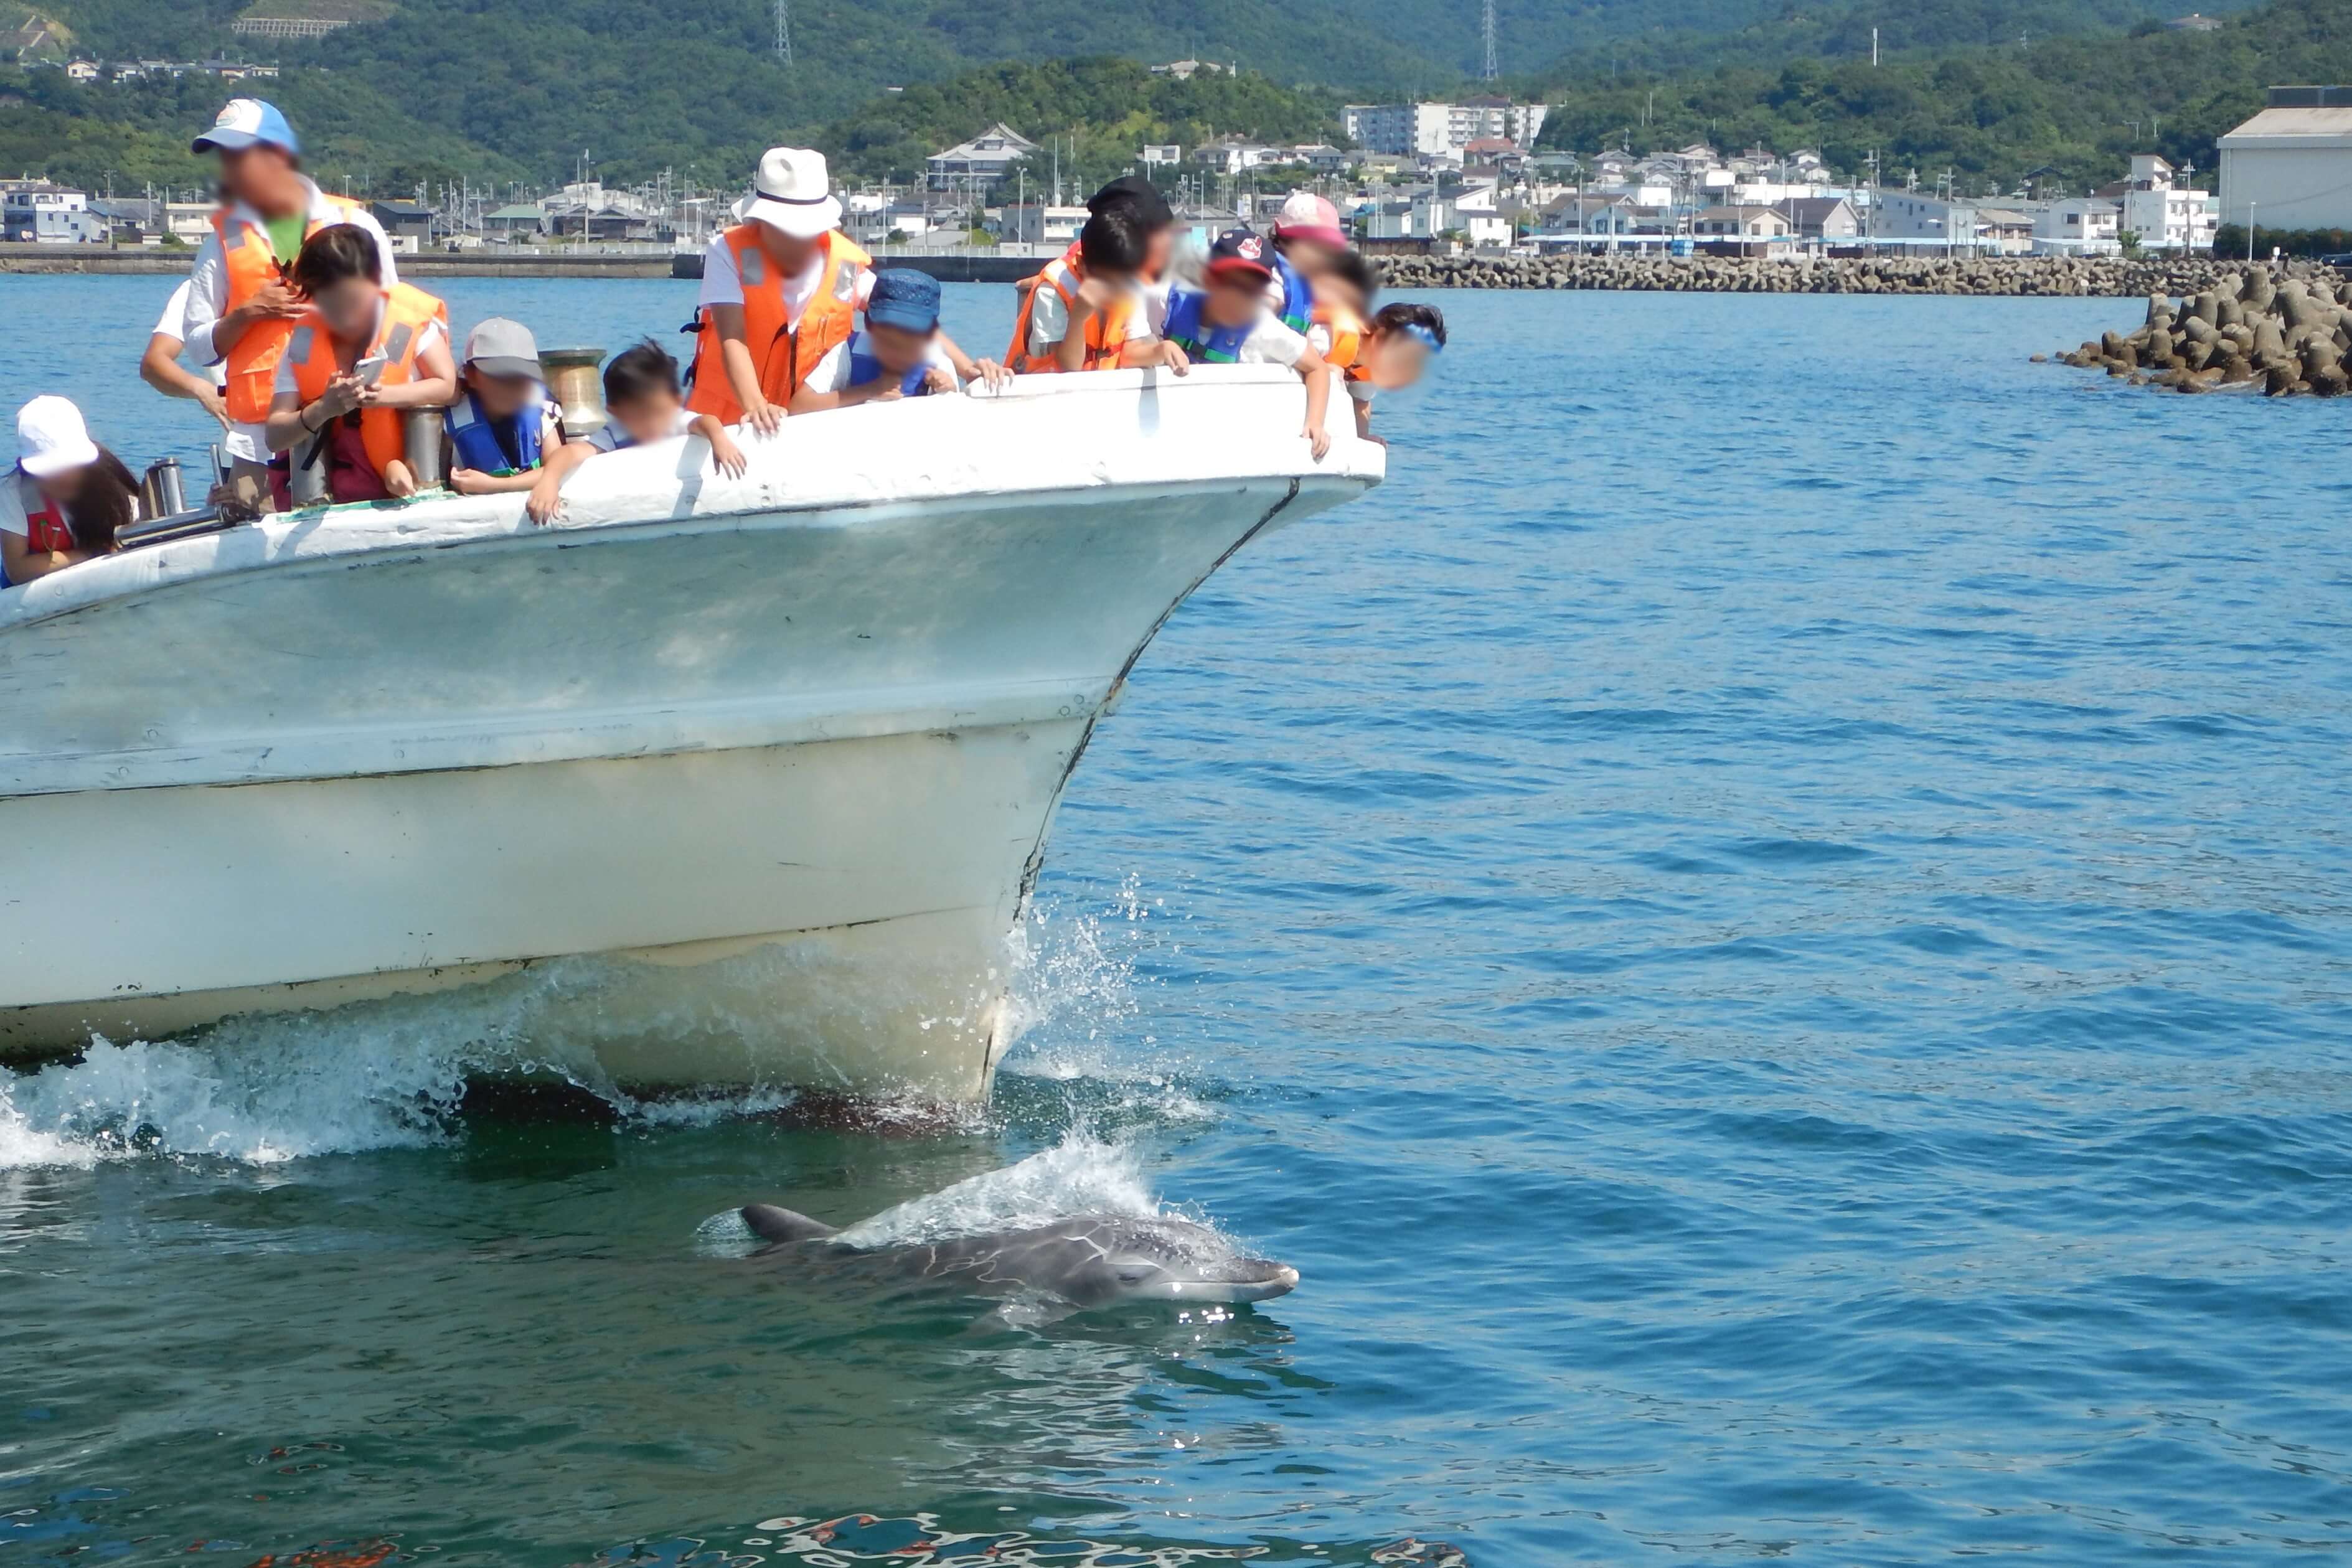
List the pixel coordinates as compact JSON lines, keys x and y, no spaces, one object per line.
{"x":1134,"y":1271}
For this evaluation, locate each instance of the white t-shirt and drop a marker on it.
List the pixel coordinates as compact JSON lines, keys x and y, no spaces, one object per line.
{"x":832,"y":372}
{"x":610,"y":438}
{"x":1269,"y":342}
{"x":434,"y":333}
{"x":174,"y":321}
{"x":20,"y":497}
{"x":208,"y":300}
{"x":722,"y":285}
{"x":1049,"y":319}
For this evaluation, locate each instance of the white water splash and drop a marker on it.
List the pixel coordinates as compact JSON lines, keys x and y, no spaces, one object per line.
{"x":1081,"y":1174}
{"x":392,"y":1074}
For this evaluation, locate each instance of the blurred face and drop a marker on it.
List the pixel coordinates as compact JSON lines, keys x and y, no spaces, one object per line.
{"x":1395,"y":360}
{"x":1311,"y":257}
{"x":66,"y":487}
{"x":264,"y":178}
{"x":900,"y":350}
{"x":501,"y":397}
{"x":790,"y":256}
{"x":648,"y":418}
{"x":1157,"y":251}
{"x":1234,"y":298}
{"x":350,"y":306}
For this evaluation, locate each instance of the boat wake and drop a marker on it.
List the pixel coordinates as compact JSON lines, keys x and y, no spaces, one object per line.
{"x":397,"y":1073}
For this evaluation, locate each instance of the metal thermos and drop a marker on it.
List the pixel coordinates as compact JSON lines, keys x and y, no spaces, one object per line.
{"x":571,"y":377}
{"x":420,"y":429}
{"x":159,"y":493}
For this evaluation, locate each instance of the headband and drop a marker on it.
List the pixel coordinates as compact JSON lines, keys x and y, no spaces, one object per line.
{"x":1427,"y":339}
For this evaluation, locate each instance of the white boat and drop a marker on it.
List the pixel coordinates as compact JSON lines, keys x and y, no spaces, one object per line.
{"x":737,"y":780}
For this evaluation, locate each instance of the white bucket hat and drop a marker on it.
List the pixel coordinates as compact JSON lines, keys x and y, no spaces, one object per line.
{"x":793,"y":193}
{"x":51,"y":438}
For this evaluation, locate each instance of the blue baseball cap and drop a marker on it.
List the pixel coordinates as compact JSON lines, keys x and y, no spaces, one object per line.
{"x":246,"y":123}
{"x":905,"y":298}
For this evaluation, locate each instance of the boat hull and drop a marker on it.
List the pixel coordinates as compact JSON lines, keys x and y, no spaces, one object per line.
{"x":720,"y":782}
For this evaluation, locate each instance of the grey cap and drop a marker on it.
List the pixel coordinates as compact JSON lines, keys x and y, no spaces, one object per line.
{"x":499,"y":347}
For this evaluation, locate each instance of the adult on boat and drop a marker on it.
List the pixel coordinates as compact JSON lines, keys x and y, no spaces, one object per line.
{"x":242,"y":302}
{"x":65,"y":498}
{"x":780,"y":290}
{"x":362,"y":351}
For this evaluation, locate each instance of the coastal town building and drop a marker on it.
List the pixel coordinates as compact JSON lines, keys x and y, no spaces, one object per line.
{"x":1830,"y":220}
{"x":37,"y":211}
{"x":981,"y":161}
{"x":1410,"y":129}
{"x":2164,"y":211}
{"x":2290,"y":166}
{"x":1040,"y":223}
{"x":2078,"y":226}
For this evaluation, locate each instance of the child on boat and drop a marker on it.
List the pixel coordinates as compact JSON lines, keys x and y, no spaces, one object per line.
{"x":642,"y":405}
{"x":361,"y":355}
{"x":1228,"y":321}
{"x":63,"y":501}
{"x":1307,"y":242}
{"x":897,"y":353}
{"x":504,"y":427}
{"x":1394,"y":353}
{"x":1084,"y":314}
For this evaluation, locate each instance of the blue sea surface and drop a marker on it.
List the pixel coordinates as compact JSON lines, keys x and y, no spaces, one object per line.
{"x":1769,"y":923}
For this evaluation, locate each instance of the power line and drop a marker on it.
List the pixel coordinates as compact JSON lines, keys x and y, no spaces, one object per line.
{"x":783,"y":32}
{"x":1490,"y":70}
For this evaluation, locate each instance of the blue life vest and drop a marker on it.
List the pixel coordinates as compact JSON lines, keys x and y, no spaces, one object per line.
{"x":1212,"y":345}
{"x":1298,"y":307}
{"x":479,"y":442}
{"x":864,"y":367}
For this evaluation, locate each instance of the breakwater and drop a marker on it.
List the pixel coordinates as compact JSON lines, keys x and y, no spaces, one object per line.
{"x":2290,"y":332}
{"x":2119,"y":277}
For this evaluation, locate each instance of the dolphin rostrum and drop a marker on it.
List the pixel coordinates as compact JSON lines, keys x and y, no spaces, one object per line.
{"x":1093,"y":1260}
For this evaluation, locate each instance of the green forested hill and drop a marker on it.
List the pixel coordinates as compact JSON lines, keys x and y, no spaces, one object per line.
{"x":2068,"y":110}
{"x":518,"y":89}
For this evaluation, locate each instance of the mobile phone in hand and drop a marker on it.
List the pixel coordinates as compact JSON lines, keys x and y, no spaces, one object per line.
{"x":370,"y":370}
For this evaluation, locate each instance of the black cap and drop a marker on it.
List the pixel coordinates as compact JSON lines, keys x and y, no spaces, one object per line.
{"x":1135,"y":195}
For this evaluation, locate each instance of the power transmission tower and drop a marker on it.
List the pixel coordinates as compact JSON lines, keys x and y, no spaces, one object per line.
{"x":783,"y":32}
{"x":1490,"y":69}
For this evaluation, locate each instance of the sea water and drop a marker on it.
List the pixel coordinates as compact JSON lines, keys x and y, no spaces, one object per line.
{"x":1766,"y":925}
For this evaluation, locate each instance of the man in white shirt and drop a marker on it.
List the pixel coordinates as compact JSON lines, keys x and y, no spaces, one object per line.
{"x":244,"y":299}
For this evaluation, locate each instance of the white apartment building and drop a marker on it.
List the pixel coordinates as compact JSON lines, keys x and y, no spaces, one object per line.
{"x":2168,"y":216}
{"x":2078,"y":226}
{"x":45,"y":214}
{"x":1410,"y":130}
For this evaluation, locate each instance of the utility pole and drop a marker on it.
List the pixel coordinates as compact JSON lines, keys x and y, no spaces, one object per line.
{"x":1490,"y":69}
{"x":784,"y":33}
{"x":1873,"y":48}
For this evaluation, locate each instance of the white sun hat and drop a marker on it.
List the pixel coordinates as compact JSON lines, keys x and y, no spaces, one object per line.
{"x":52,"y":438}
{"x":793,"y":193}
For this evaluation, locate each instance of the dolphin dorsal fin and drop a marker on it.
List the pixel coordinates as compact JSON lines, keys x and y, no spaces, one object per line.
{"x":770,"y":1223}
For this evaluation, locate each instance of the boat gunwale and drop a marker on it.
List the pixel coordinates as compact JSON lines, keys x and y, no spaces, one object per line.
{"x":307,"y":539}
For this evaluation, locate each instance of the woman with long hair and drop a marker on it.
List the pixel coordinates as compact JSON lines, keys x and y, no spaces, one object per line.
{"x":65,"y":497}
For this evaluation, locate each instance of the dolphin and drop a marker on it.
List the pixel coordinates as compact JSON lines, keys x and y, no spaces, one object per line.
{"x":1093,"y":1260}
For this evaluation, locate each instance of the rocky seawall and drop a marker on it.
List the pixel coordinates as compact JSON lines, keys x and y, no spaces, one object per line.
{"x":2290,"y":334}
{"x":2116,"y":277}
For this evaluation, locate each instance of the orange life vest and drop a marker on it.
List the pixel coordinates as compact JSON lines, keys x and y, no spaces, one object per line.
{"x":1347,"y":330}
{"x":399,"y":333}
{"x":784,"y":353}
{"x":1106,"y":330}
{"x":251,"y":363}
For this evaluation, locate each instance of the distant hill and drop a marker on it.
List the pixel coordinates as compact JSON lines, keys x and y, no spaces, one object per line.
{"x":2067,"y":112}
